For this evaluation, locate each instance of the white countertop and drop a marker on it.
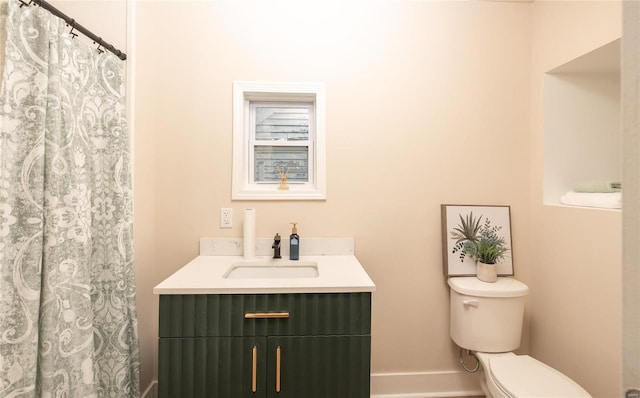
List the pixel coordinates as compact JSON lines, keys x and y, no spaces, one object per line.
{"x":205,"y":275}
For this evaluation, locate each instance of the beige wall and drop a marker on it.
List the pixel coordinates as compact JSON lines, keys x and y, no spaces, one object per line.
{"x":427,"y":103}
{"x":575,"y":317}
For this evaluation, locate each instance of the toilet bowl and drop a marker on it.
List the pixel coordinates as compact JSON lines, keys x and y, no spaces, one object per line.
{"x":486,"y":319}
{"x":507,"y":375}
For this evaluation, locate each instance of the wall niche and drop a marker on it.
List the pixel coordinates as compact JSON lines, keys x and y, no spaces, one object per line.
{"x":582,"y":122}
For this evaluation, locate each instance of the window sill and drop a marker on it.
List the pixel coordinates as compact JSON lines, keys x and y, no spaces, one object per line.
{"x":271,"y":193}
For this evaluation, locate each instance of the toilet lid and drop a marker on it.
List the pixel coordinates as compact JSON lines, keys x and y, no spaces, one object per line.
{"x":523,"y":376}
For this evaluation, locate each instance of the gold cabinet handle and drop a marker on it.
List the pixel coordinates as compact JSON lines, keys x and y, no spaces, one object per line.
{"x":278,"y":360}
{"x":254,"y":369}
{"x":266,"y":315}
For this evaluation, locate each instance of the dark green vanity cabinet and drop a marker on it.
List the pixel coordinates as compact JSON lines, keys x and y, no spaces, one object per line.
{"x":299,"y":345}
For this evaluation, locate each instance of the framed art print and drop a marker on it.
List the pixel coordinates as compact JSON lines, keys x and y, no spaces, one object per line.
{"x":462,"y":227}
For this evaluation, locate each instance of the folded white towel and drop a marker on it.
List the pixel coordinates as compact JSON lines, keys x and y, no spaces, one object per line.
{"x":611,"y":200}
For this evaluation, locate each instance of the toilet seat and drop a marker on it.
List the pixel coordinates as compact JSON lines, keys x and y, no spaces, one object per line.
{"x":520,"y":376}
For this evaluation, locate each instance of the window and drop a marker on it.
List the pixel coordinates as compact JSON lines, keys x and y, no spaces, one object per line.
{"x":278,"y":131}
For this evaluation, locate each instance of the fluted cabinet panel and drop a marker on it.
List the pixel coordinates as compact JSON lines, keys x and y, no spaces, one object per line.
{"x":211,"y":367}
{"x":320,"y":366}
{"x":223,"y":314}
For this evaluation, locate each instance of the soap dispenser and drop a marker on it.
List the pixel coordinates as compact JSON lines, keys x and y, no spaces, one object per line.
{"x":294,"y":243}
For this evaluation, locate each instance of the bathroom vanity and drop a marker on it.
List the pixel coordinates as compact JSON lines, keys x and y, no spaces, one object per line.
{"x":277,"y":332}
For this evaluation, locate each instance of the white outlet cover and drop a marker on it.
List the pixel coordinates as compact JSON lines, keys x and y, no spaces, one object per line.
{"x":226,"y":217}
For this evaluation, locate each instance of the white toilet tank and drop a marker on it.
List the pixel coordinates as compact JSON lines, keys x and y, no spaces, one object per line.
{"x":487,"y":317}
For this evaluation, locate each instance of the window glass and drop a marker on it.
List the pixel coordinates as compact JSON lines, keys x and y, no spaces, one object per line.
{"x":282,"y":123}
{"x":273,"y":161}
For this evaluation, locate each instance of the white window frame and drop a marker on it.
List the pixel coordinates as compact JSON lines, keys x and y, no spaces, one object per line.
{"x":244,"y":93}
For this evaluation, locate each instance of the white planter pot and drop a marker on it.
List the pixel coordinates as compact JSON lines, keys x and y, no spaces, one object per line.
{"x":486,"y":272}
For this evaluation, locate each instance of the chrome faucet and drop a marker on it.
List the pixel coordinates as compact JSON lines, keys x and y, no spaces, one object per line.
{"x":276,"y":246}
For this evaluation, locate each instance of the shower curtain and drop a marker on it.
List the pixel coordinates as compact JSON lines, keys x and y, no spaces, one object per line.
{"x":67,"y":291}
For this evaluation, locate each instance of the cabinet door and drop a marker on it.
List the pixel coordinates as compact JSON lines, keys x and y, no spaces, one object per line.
{"x":212,"y":367}
{"x":318,"y":366}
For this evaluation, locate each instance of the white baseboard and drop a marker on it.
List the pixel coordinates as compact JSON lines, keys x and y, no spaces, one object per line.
{"x":425,"y":385}
{"x":407,"y":385}
{"x":150,"y":392}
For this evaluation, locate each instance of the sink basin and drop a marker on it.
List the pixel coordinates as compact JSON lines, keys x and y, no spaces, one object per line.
{"x":273,"y":269}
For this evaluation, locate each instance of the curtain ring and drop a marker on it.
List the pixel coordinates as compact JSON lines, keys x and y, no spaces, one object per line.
{"x":72,"y":23}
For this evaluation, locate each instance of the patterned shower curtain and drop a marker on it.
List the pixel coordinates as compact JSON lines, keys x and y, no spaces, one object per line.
{"x":67,"y":291}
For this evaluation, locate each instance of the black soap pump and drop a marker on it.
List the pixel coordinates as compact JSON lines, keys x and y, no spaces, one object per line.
{"x":294,"y":243}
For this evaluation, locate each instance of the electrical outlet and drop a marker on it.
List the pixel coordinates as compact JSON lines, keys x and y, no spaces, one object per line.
{"x":226,"y":217}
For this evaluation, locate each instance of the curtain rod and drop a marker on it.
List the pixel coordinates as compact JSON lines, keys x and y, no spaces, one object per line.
{"x":76,"y":26}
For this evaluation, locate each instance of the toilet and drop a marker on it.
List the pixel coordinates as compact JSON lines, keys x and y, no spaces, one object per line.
{"x":486,"y":319}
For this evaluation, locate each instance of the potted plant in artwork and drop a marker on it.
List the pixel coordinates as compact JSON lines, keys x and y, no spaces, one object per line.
{"x":482,"y":242}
